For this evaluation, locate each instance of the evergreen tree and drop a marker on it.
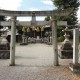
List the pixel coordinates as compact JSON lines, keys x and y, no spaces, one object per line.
{"x":2,"y":18}
{"x":71,"y":19}
{"x":65,"y":4}
{"x":47,"y":18}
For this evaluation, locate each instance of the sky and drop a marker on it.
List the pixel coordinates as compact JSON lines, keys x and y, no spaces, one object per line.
{"x":29,"y":5}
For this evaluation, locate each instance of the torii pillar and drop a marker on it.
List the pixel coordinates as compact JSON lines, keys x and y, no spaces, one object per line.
{"x":13,"y":40}
{"x":54,"y":43}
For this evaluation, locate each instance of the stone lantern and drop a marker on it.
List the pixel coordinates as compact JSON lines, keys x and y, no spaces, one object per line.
{"x":4,"y":45}
{"x":66,"y":50}
{"x":4,"y":35}
{"x":24,"y":37}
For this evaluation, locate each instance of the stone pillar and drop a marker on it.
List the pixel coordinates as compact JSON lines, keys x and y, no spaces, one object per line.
{"x":33,"y":22}
{"x":23,"y":38}
{"x":13,"y":40}
{"x":34,"y":33}
{"x":50,"y":39}
{"x":41,"y":33}
{"x":75,"y":45}
{"x":33,"y":18}
{"x":54,"y":42}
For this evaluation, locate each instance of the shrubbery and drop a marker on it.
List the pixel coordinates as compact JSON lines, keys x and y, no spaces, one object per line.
{"x":61,"y":39}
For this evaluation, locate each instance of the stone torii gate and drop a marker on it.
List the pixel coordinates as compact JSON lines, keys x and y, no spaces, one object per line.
{"x":14,"y":14}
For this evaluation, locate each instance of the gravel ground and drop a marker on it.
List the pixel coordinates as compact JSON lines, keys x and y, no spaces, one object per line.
{"x":35,"y":62}
{"x":36,"y":73}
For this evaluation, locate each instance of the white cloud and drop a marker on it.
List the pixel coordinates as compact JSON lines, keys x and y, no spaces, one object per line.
{"x":78,"y":14}
{"x":33,"y":9}
{"x":48,"y":2}
{"x":10,"y":4}
{"x":24,"y":18}
{"x":29,"y":18}
{"x":40,"y":18}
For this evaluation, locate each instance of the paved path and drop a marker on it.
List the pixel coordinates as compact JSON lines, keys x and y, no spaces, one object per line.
{"x":35,"y":62}
{"x":36,"y":55}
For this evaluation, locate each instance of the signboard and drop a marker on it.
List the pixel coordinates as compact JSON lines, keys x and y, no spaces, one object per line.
{"x":5,"y":23}
{"x":62,"y":23}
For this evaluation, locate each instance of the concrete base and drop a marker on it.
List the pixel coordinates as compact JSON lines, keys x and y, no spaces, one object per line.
{"x":74,"y":67}
{"x":24,"y":44}
{"x":66,"y":50}
{"x":11,"y":64}
{"x":4,"y":54}
{"x":49,"y":43}
{"x":37,"y":41}
{"x":4,"y":51}
{"x":66,"y":54}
